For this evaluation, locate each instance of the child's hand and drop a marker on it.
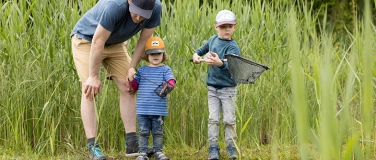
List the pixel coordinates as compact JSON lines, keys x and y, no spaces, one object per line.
{"x":196,"y":58}
{"x":213,"y":60}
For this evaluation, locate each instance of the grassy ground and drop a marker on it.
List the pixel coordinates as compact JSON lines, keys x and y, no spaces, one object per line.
{"x":260,"y":152}
{"x":316,"y":101}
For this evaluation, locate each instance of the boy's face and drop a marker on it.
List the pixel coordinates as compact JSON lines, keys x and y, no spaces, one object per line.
{"x":155,"y":59}
{"x":225,"y":31}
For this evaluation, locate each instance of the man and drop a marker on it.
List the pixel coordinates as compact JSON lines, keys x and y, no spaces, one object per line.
{"x":100,"y":37}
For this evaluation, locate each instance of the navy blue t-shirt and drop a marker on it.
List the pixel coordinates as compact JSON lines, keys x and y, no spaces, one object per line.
{"x":115,"y":17}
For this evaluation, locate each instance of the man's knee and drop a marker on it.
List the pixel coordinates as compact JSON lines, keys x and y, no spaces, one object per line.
{"x":121,"y":84}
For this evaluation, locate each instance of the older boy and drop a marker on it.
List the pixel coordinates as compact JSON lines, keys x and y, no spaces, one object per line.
{"x":221,"y":88}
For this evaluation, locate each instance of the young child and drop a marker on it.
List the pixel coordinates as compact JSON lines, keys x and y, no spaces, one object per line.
{"x":221,"y":88}
{"x":151,"y":105}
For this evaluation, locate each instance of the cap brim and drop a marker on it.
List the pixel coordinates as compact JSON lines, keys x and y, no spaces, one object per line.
{"x":151,"y":51}
{"x":142,"y":12}
{"x":226,"y":22}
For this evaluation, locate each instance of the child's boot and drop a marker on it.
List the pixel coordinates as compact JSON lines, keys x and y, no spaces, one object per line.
{"x":160,"y":156}
{"x":214,"y":151}
{"x":231,"y":150}
{"x":142,"y":156}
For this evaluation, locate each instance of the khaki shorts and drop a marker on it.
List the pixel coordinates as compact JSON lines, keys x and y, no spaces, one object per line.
{"x":115,"y":59}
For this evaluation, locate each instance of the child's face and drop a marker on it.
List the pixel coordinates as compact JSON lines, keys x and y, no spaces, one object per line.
{"x":155,"y":59}
{"x":225,"y":31}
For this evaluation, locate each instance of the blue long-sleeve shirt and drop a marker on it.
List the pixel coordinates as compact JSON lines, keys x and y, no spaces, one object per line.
{"x":219,"y":77}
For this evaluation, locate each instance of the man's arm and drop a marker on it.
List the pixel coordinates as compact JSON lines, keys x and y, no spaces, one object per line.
{"x":97,"y":46}
{"x":139,"y":50}
{"x":93,"y":84}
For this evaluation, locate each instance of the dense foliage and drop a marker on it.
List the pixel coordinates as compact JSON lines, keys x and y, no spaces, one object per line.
{"x":319,"y":94}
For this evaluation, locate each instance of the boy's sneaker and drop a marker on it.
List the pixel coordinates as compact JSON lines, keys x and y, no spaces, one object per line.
{"x":160,"y":156}
{"x":231,"y":150}
{"x":213,"y":151}
{"x":142,"y":156}
{"x":150,"y":151}
{"x":95,"y":152}
{"x":131,"y":149}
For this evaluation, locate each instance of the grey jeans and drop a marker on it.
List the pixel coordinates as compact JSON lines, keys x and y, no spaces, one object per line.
{"x":222,"y":100}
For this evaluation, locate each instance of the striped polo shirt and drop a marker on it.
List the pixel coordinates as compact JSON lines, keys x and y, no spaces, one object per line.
{"x":148,"y":78}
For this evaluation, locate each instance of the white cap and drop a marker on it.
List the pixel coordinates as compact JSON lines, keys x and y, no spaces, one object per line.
{"x":225,"y":17}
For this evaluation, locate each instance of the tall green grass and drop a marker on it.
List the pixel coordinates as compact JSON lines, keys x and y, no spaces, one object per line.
{"x":318,"y":96}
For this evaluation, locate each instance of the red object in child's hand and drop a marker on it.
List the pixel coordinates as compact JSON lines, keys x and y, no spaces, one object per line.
{"x":171,"y":82}
{"x":134,"y":84}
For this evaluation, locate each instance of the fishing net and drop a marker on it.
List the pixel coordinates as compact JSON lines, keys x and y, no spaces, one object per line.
{"x":163,"y":89}
{"x":243,"y":70}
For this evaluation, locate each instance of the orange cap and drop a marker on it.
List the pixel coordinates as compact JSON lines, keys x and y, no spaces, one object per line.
{"x":154,"y":45}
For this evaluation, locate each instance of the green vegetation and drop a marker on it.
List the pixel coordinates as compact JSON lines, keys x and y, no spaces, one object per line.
{"x":316,"y":102}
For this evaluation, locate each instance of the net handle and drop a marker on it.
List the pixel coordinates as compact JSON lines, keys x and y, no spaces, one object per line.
{"x":234,"y":56}
{"x":203,"y":60}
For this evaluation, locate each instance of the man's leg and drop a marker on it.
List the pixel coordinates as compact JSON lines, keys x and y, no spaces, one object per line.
{"x":127,"y":106}
{"x":88,"y":116}
{"x":128,"y":115}
{"x":81,"y":50}
{"x":116,"y":65}
{"x":90,"y":126}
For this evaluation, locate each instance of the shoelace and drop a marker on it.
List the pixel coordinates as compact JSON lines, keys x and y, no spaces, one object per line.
{"x":96,"y":151}
{"x":160,"y":155}
{"x":143,"y":156}
{"x":213,"y":151}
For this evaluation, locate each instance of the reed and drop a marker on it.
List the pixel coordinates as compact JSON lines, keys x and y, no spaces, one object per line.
{"x":316,"y":102}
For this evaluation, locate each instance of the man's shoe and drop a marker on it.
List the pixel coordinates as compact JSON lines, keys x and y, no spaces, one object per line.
{"x":160,"y":156}
{"x":142,"y":156}
{"x":131,"y":149}
{"x":95,"y":152}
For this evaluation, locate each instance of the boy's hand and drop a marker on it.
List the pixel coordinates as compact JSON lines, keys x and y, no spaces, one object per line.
{"x":196,"y":58}
{"x":214,"y":60}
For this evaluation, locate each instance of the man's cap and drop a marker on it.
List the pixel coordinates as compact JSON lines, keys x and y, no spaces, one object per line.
{"x":225,"y":17}
{"x":143,"y":8}
{"x":154,"y":45}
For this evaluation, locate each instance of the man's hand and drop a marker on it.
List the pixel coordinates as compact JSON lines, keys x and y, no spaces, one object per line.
{"x":130,"y":76}
{"x":92,"y":87}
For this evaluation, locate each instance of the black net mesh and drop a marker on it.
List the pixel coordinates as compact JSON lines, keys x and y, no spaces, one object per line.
{"x":243,"y":70}
{"x":163,"y":89}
